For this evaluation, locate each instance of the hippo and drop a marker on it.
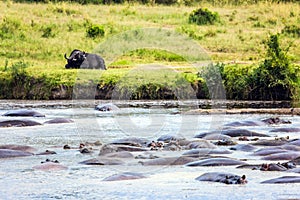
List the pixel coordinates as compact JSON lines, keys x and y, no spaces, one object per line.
{"x":276,"y":121}
{"x":284,"y":179}
{"x":107,"y":107}
{"x":216,"y":136}
{"x":102,"y":161}
{"x":288,"y":155}
{"x":124,"y":176}
{"x":245,"y":123}
{"x":226,"y":178}
{"x":295,"y":142}
{"x":47,"y":152}
{"x":226,"y":142}
{"x":296,"y":160}
{"x":169,"y":161}
{"x":215,"y":162}
{"x":9,"y":153}
{"x":243,"y":147}
{"x":242,"y":132}
{"x":23,"y":113}
{"x":286,"y":130}
{"x":294,"y":170}
{"x":168,"y":138}
{"x":269,"y":151}
{"x":18,"y":147}
{"x":131,"y":141}
{"x":18,"y":123}
{"x":121,"y":154}
{"x":200,"y":144}
{"x":233,"y":133}
{"x":275,"y":142}
{"x":58,"y":121}
{"x":50,"y":166}
{"x":109,"y":148}
{"x":204,"y":152}
{"x":270,"y":166}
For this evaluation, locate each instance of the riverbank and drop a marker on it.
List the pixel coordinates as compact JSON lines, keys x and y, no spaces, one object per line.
{"x":32,"y":54}
{"x":206,"y":106}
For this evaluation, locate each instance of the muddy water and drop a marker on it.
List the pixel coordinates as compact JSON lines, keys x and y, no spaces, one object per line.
{"x":18,"y":179}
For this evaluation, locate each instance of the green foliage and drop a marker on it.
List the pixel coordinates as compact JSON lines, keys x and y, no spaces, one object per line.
{"x":291,"y":30}
{"x":48,"y":31}
{"x":212,"y":75}
{"x":9,"y":27}
{"x":166,"y":2}
{"x":152,"y":55}
{"x":275,"y":78}
{"x":203,"y":16}
{"x":236,"y":81}
{"x":94,"y":31}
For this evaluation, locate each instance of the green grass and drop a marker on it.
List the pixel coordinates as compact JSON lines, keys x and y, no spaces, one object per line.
{"x":40,"y":34}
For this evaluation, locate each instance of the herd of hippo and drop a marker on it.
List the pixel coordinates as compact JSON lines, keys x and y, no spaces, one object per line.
{"x":207,"y":149}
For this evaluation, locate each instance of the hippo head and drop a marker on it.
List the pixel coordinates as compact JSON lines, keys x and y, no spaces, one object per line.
{"x":234,"y":179}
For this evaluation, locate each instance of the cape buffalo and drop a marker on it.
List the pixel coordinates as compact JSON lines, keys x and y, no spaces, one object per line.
{"x":82,"y":60}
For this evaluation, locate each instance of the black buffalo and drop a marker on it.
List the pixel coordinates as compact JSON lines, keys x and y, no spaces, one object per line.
{"x":80,"y":59}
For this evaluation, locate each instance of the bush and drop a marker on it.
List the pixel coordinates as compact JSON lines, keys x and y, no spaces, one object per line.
{"x":203,"y":16}
{"x":275,"y":78}
{"x":48,"y":31}
{"x":94,"y":31}
{"x":9,"y":27}
{"x":291,"y":30}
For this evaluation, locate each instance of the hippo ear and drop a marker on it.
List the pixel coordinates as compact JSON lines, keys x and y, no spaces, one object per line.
{"x":244,"y":177}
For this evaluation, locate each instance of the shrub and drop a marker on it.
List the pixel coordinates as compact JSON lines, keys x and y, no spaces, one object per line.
{"x":166,"y":2}
{"x":48,"y":31}
{"x":9,"y":27}
{"x":203,"y":16}
{"x":275,"y":78}
{"x":94,"y":31}
{"x":291,"y":30}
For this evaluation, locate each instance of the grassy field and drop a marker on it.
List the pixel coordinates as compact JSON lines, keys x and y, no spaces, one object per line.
{"x":39,"y":35}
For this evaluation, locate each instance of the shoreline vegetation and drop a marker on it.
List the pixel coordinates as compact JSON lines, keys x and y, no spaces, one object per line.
{"x":253,"y":50}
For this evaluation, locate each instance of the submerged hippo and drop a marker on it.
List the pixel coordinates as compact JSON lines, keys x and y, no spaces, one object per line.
{"x":233,"y":133}
{"x":111,"y":148}
{"x":275,"y":120}
{"x":18,"y":147}
{"x":18,"y":123}
{"x":9,"y":153}
{"x":131,"y":141}
{"x":245,"y":123}
{"x":243,"y":147}
{"x":102,"y":161}
{"x":107,"y":107}
{"x":169,"y":161}
{"x":286,"y":130}
{"x":270,"y":166}
{"x":125,"y":176}
{"x":168,"y":138}
{"x":288,"y":155}
{"x":226,"y":178}
{"x":23,"y":113}
{"x":49,"y":165}
{"x":215,"y":162}
{"x":58,"y":121}
{"x":204,"y":152}
{"x":284,"y":179}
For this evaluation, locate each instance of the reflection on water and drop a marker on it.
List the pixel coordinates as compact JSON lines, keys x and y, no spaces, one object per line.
{"x":19,"y":181}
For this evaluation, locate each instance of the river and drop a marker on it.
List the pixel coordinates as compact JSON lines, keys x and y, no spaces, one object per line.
{"x":18,"y":179}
